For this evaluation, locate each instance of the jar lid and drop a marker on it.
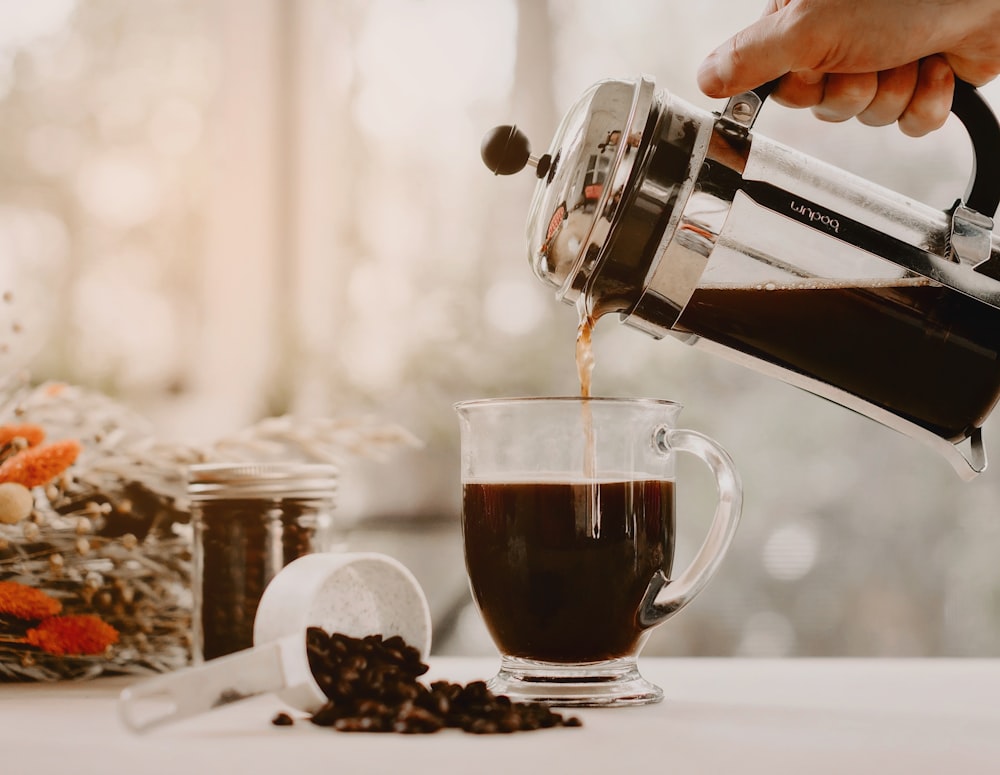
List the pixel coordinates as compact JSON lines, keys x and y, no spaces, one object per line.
{"x":216,"y":481}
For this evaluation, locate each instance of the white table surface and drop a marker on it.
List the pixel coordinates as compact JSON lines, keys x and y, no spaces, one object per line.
{"x":720,"y":715}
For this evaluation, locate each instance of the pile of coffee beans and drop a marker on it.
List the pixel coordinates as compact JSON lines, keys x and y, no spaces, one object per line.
{"x":372,"y":685}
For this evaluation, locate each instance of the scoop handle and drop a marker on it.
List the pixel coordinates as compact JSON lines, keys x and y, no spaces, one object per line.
{"x":189,"y":692}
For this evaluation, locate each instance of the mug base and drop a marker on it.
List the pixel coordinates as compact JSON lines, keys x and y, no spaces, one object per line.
{"x":613,"y":683}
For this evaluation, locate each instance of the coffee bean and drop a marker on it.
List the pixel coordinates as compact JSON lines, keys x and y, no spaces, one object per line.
{"x":371,"y":686}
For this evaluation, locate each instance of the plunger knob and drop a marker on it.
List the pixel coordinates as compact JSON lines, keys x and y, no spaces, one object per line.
{"x":506,"y":151}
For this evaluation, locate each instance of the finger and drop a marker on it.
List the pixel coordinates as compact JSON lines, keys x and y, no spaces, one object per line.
{"x":752,"y":57}
{"x":800,"y":90}
{"x":846,"y":95}
{"x":773,"y":6}
{"x":976,"y":72}
{"x":930,"y":105}
{"x":895,"y":90}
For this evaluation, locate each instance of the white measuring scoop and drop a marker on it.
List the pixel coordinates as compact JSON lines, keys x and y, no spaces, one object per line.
{"x":354,"y":593}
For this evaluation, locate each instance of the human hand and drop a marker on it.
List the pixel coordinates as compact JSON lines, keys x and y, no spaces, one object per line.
{"x":880,"y":61}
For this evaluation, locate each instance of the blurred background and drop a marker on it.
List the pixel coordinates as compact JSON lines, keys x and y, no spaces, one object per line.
{"x":221,"y":210}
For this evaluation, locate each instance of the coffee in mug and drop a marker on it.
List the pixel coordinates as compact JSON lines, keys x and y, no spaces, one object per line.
{"x":553,"y":586}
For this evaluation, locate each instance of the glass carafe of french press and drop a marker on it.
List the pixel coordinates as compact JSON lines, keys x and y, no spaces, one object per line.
{"x":690,"y":224}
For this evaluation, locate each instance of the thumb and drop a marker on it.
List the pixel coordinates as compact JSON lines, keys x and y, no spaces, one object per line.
{"x":754,"y":56}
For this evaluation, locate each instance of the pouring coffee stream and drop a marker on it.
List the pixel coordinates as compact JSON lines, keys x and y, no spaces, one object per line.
{"x":688,"y":223}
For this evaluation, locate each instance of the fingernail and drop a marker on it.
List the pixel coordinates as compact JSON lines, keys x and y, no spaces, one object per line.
{"x":825,"y":114}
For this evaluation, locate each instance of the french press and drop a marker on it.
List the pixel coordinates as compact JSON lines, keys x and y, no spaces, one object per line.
{"x":688,"y":223}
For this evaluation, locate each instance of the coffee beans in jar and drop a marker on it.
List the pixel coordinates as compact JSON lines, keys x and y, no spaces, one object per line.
{"x":250,"y":520}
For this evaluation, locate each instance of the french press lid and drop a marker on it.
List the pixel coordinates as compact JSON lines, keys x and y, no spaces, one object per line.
{"x":584,"y":176}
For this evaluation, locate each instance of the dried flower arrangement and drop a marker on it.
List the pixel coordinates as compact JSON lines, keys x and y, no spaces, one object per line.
{"x":95,"y":541}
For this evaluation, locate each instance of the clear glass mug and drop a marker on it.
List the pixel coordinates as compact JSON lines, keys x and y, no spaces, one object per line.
{"x":568,"y":525}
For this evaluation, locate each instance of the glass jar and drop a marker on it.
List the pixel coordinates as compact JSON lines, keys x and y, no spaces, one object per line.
{"x":250,"y":520}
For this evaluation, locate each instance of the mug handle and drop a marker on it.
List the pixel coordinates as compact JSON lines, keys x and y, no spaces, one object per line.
{"x":664,"y":597}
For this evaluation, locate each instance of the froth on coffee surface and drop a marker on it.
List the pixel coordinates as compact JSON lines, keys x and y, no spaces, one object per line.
{"x":824,"y":283}
{"x":563,"y":477}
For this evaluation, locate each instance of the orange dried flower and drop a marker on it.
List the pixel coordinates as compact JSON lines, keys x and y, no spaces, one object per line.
{"x":39,"y":465}
{"x":31,"y":433}
{"x":78,"y":634}
{"x":26,"y":602}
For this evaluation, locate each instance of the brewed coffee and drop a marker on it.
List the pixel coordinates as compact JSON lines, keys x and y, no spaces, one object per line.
{"x":548,"y":586}
{"x":922,"y":351}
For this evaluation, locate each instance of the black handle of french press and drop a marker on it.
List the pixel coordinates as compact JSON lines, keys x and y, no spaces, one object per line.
{"x":975,"y":113}
{"x":764,"y":90}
